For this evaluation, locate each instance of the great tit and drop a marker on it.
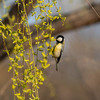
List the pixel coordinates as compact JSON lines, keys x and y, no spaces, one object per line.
{"x":58,"y":49}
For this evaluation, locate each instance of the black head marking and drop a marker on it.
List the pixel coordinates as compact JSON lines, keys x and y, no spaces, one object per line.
{"x":60,"y":39}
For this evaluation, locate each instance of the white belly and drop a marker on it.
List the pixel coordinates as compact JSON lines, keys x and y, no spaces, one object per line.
{"x":57,"y":50}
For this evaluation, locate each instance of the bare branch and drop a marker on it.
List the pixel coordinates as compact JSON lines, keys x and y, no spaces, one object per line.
{"x":75,"y":20}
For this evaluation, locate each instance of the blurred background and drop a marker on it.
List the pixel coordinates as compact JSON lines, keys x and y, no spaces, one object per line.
{"x":78,"y":77}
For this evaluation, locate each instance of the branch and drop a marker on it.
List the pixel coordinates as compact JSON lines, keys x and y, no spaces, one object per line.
{"x":77,"y":19}
{"x":80,"y":18}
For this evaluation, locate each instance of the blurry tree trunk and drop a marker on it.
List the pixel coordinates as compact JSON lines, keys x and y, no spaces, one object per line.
{"x":74,"y":20}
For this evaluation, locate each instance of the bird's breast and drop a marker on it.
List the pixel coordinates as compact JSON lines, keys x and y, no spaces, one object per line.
{"x":57,"y":50}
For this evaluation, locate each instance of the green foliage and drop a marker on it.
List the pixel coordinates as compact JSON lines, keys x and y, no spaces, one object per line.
{"x":27,"y":75}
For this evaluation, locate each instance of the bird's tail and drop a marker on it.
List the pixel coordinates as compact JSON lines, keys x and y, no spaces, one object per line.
{"x":56,"y":65}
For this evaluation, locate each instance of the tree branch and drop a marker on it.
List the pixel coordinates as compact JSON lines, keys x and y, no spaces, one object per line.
{"x":77,"y":19}
{"x":80,"y":18}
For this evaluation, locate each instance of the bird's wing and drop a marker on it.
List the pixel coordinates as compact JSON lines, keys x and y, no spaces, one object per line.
{"x":58,"y":59}
{"x":53,"y":49}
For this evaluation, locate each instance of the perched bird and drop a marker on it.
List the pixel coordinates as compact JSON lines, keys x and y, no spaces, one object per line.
{"x":58,"y":49}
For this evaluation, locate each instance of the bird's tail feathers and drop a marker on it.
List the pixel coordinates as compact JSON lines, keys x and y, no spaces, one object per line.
{"x":56,"y":66}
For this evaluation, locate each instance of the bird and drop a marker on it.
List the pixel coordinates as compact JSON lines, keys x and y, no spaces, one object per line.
{"x":58,"y":49}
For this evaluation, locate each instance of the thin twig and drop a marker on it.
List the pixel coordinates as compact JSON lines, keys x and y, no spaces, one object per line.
{"x":93,"y":8}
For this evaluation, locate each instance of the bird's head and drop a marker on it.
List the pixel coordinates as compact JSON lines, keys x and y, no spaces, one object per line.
{"x":60,"y":39}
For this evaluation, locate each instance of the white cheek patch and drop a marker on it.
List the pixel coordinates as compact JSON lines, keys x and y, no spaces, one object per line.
{"x":59,"y":39}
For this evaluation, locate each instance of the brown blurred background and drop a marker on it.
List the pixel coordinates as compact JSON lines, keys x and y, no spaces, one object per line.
{"x":78,"y":77}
